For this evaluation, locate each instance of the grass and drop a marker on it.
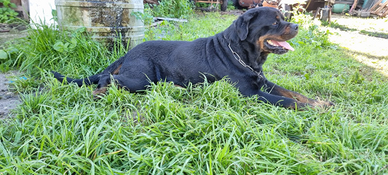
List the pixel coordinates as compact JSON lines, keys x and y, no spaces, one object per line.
{"x":204,"y":129}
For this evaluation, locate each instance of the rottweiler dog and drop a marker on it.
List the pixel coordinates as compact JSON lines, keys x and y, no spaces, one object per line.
{"x":238,"y":53}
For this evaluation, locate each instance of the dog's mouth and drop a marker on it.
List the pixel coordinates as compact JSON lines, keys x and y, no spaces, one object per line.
{"x":278,"y":47}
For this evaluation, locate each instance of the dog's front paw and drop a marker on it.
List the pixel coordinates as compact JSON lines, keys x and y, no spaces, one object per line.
{"x":98,"y":92}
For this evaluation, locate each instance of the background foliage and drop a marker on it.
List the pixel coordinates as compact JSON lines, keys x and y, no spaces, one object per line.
{"x":172,"y":8}
{"x":7,"y":14}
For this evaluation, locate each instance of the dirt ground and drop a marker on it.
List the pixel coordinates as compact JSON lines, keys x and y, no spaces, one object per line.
{"x":8,"y":99}
{"x":371,"y":51}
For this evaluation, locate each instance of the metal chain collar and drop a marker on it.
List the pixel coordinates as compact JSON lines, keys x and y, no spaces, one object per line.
{"x":238,"y":58}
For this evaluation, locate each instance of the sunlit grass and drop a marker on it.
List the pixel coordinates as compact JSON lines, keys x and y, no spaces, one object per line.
{"x":204,"y":129}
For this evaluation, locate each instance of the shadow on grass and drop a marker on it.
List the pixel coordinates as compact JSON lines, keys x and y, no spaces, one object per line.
{"x":350,"y":52}
{"x":371,"y":64}
{"x":375,"y":34}
{"x":364,"y":32}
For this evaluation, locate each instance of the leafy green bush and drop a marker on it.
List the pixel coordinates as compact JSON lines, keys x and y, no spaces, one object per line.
{"x":166,"y":8}
{"x":7,"y":14}
{"x":145,"y":16}
{"x":51,"y":49}
{"x":172,"y":8}
{"x":313,"y":35}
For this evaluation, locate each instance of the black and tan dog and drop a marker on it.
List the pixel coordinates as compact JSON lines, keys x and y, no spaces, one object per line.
{"x":237,"y":53}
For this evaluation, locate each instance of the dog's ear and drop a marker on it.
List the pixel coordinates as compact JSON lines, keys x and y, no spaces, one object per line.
{"x":242,"y":25}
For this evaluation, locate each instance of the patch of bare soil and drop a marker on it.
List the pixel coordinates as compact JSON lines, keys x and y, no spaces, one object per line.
{"x":369,"y":50}
{"x":9,"y":32}
{"x":8,"y":99}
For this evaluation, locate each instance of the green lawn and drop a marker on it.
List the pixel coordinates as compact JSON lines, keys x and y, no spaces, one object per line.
{"x":204,"y":129}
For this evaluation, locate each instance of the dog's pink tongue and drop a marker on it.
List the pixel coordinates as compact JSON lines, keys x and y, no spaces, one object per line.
{"x":284,"y":44}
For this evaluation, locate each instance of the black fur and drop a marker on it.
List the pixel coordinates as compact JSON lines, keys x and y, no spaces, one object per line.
{"x":182,"y":62}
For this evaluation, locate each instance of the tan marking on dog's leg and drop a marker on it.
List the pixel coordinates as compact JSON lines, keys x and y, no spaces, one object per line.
{"x":178,"y":86}
{"x":322,"y":104}
{"x":99,"y":91}
{"x":290,"y":94}
{"x":115,"y":72}
{"x":303,"y":99}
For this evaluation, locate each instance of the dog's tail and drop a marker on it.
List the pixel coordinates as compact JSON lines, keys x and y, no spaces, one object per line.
{"x":83,"y":81}
{"x":115,"y":66}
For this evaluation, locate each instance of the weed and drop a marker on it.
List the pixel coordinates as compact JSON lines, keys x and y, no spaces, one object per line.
{"x":145,"y":16}
{"x":7,"y":12}
{"x":172,"y":8}
{"x":54,"y":50}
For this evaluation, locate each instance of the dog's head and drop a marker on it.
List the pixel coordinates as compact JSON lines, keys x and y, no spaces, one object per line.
{"x":265,"y":26}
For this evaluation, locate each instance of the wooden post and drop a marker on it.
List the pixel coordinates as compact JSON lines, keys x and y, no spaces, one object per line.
{"x":382,"y":6}
{"x":22,"y":6}
{"x":376,"y":5}
{"x":26,"y":9}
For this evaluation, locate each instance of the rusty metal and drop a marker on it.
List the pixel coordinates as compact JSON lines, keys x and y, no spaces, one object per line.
{"x":322,"y":9}
{"x":248,"y":3}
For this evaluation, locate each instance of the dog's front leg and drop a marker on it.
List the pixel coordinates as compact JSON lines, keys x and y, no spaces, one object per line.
{"x":274,"y":89}
{"x":248,"y":89}
{"x":282,"y":101}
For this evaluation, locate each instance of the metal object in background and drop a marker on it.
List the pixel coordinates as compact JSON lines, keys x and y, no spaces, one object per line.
{"x":322,"y":9}
{"x":108,"y":20}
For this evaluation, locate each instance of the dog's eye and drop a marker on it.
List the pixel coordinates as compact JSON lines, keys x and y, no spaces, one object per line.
{"x":275,"y":23}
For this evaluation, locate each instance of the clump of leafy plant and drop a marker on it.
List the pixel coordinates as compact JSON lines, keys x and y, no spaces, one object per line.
{"x":56,"y":50}
{"x":7,"y":14}
{"x":145,"y":16}
{"x":313,"y":35}
{"x":172,"y":8}
{"x":5,"y":55}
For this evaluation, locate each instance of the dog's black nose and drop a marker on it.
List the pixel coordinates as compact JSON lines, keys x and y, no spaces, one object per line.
{"x":294,"y":26}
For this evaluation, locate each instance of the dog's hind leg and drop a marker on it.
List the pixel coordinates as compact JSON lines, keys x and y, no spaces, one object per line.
{"x":103,"y":83}
{"x":132,"y":84}
{"x":129,"y":83}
